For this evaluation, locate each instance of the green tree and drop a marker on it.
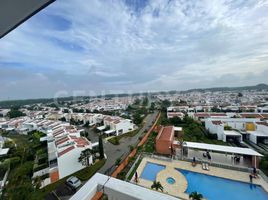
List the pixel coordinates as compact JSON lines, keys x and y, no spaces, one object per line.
{"x":195,"y":196}
{"x":157,"y":186}
{"x":101,"y":151}
{"x":264,"y":164}
{"x":145,"y":101}
{"x":13,"y":113}
{"x":117,"y":162}
{"x":152,"y":107}
{"x":85,"y":157}
{"x":130,"y":147}
{"x":137,"y":119}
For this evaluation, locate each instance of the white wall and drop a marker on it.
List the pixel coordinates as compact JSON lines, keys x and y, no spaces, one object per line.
{"x":68,"y":163}
{"x":124,"y":125}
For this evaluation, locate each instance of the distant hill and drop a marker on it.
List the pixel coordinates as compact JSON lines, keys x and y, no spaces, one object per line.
{"x":9,"y":103}
{"x":261,"y":86}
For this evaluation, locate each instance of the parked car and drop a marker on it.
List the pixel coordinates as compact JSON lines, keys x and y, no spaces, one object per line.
{"x":73,"y":182}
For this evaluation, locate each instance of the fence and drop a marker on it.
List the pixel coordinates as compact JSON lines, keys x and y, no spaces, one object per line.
{"x":133,"y":153}
{"x":132,"y":167}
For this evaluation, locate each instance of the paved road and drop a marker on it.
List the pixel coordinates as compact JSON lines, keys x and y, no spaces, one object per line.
{"x":115,"y":151}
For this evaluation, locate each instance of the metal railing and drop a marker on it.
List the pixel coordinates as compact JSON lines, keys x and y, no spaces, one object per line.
{"x":132,"y":168}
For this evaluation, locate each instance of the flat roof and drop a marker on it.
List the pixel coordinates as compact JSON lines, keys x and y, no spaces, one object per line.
{"x":258,"y":133}
{"x":4,"y":151}
{"x":232,"y":133}
{"x":117,"y":189}
{"x":176,"y":128}
{"x":101,"y":128}
{"x":109,"y":131}
{"x":221,"y":148}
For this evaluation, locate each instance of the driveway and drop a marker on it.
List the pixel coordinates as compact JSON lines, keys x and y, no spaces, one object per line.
{"x":122,"y":150}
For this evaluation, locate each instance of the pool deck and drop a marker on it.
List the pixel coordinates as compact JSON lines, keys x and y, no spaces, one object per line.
{"x":178,"y":190}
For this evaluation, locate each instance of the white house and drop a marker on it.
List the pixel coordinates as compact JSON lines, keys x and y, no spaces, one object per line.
{"x":68,"y":151}
{"x":260,"y":134}
{"x":246,"y":125}
{"x":171,"y":115}
{"x":118,"y":125}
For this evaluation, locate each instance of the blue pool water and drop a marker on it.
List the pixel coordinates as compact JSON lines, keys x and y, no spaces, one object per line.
{"x":214,"y":188}
{"x":171,"y":181}
{"x":151,"y":170}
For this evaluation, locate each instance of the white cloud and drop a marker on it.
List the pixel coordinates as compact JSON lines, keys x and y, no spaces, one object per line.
{"x":111,"y":45}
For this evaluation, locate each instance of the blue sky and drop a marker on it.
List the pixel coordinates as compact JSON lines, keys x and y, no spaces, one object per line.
{"x":111,"y":46}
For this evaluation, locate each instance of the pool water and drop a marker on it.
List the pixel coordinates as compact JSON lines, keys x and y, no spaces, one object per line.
{"x":215,"y":188}
{"x":151,"y":170}
{"x":171,"y":181}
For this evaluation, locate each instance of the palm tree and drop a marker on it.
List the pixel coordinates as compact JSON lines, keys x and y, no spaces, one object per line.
{"x":196,"y":196}
{"x":84,"y":157}
{"x":157,"y":185}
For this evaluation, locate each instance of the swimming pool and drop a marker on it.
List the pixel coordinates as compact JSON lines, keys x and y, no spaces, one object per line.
{"x":215,"y":188}
{"x":151,"y":170}
{"x":170,"y":180}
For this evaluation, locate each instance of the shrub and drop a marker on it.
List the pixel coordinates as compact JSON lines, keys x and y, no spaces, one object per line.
{"x":14,"y":162}
{"x":40,"y":167}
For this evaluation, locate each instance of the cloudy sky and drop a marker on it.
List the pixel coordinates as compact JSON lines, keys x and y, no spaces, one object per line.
{"x":112,"y":46}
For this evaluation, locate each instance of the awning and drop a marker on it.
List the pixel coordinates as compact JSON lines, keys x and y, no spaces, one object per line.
{"x":109,"y":132}
{"x":231,"y":133}
{"x":258,"y":133}
{"x":4,"y":151}
{"x":101,"y":128}
{"x":221,"y":148}
{"x":177,"y":128}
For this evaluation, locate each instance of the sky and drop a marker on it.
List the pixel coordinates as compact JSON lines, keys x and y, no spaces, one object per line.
{"x":88,"y":47}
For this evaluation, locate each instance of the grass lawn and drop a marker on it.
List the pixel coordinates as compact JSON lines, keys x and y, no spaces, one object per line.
{"x":116,"y":140}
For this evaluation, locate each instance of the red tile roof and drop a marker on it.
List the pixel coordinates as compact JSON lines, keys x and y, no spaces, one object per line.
{"x":218,"y":114}
{"x":250,"y":115}
{"x":201,"y":114}
{"x":216,"y":122}
{"x":66,"y":151}
{"x":62,"y":140}
{"x":166,"y":133}
{"x":264,"y":115}
{"x":81,"y":141}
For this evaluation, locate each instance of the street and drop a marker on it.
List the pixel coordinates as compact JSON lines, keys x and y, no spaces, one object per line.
{"x":115,"y":151}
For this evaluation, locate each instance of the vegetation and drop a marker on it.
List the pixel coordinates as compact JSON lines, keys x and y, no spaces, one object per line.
{"x":28,"y":156}
{"x":157,"y":186}
{"x":145,"y":101}
{"x":264,"y":164}
{"x":85,"y":156}
{"x":134,"y":169}
{"x":101,"y":151}
{"x":117,"y":161}
{"x":195,"y":196}
{"x":14,"y":112}
{"x":193,"y":130}
{"x":116,"y":140}
{"x":149,"y":146}
{"x":84,"y":175}
{"x":227,"y":128}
